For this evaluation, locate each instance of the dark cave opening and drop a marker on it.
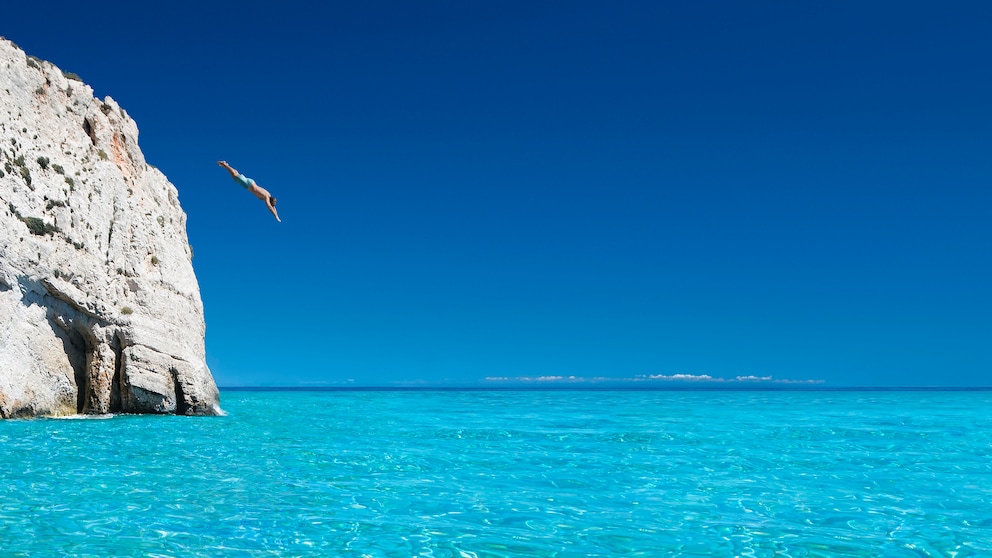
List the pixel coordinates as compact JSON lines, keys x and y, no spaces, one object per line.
{"x":77,"y":350}
{"x":182,"y":408}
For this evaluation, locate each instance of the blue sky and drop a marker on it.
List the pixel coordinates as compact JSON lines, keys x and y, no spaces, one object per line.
{"x":569,"y":193}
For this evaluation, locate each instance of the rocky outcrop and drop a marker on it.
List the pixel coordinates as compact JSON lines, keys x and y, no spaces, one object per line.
{"x":100,"y":311}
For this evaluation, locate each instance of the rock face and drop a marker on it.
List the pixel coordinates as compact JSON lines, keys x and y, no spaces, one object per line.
{"x":100,"y":311}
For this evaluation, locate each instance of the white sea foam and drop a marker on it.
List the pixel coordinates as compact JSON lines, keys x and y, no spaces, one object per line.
{"x":85,"y":417}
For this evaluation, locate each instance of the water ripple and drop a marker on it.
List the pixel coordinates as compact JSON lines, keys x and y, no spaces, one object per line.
{"x":487,"y":474}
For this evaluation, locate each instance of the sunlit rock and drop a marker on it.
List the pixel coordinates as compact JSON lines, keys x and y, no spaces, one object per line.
{"x":100,"y":310}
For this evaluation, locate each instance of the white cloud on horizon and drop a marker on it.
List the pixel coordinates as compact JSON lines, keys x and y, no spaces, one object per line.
{"x":700,"y":378}
{"x":680,"y":378}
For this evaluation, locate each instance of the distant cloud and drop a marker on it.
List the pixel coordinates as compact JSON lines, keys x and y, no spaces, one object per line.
{"x":651,"y":378}
{"x":679,"y":378}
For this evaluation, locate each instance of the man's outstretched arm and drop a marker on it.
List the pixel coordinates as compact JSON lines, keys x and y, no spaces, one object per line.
{"x":272,"y":209}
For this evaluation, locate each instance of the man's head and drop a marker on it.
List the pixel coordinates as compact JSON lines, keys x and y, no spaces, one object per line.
{"x":272,"y":200}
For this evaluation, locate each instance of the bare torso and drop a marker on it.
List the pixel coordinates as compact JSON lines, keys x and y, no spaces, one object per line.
{"x":260,"y":193}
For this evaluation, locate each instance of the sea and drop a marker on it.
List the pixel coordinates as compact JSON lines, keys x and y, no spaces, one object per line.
{"x":500,"y":473}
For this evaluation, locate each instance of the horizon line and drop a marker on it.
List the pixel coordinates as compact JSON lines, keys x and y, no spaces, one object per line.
{"x":779,"y":387}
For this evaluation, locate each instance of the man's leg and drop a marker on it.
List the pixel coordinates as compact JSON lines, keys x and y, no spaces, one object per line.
{"x":234,"y":173}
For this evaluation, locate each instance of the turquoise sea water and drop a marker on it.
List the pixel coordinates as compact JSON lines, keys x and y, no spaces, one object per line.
{"x":510,"y":473}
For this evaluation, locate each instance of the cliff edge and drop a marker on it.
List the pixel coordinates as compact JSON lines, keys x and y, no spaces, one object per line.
{"x":100,"y":311}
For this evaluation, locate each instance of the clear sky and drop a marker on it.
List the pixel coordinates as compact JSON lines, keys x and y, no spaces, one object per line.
{"x":789,"y":190}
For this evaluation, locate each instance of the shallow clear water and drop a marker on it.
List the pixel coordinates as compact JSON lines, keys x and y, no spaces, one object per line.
{"x":504,"y":473}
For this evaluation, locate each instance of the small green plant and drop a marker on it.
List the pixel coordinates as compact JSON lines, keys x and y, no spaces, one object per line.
{"x":19,"y":161}
{"x":43,"y":162}
{"x":1,"y":174}
{"x":39,"y":227}
{"x":154,"y":260}
{"x":71,"y":183}
{"x":58,"y":169}
{"x":71,"y":75}
{"x":127,"y":310}
{"x":102,"y":154}
{"x":39,"y":91}
{"x":33,"y":62}
{"x":54,"y":203}
{"x":26,"y":175}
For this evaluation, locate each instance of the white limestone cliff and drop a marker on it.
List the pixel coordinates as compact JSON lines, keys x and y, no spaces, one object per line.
{"x":100,"y":310}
